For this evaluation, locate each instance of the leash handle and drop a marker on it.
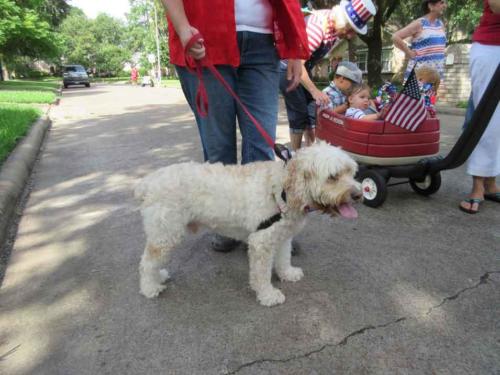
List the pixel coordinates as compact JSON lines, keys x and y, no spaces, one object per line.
{"x":196,"y":67}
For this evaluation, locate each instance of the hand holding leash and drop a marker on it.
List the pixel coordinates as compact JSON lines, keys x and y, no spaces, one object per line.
{"x":193,"y":48}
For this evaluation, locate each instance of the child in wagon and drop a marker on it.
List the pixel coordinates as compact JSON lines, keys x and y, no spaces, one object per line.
{"x":360,"y":104}
{"x":346,"y":76}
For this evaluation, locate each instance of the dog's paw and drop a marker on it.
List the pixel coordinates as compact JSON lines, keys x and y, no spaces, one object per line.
{"x":291,"y":274}
{"x":271,"y":297}
{"x":164,"y":275}
{"x":151,"y":290}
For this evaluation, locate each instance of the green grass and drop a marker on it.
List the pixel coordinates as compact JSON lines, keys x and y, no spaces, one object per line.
{"x":15,"y":120}
{"x":16,"y":96}
{"x":462,"y":104}
{"x":170,"y":83}
{"x":45,"y":85}
{"x":109,"y":79}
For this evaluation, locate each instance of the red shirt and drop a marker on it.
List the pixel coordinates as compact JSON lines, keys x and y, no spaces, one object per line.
{"x":488,"y":31}
{"x":215,"y":20}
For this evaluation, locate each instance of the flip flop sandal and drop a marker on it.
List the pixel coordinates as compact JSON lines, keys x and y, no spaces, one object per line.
{"x":495,"y":197}
{"x":471,"y":201}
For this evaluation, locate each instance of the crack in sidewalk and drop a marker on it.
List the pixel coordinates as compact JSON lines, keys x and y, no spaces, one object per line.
{"x":482,"y":280}
{"x":308,"y":354}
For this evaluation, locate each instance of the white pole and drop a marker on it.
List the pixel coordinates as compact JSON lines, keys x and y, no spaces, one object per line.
{"x":158,"y":82}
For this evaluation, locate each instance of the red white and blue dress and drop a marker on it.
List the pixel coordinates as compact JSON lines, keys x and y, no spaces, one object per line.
{"x":429,"y":46}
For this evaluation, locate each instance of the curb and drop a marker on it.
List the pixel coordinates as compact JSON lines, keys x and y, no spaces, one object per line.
{"x":450,"y":110}
{"x":16,"y":170}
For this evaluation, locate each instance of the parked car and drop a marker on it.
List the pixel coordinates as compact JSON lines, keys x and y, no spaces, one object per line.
{"x":75,"y":75}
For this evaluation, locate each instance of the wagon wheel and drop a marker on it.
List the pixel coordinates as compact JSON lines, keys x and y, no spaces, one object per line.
{"x":428,"y":186}
{"x":374,"y":188}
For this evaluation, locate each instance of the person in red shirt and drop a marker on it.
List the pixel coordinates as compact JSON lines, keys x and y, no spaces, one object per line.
{"x":244,"y":40}
{"x":484,"y":163}
{"x":134,"y":75}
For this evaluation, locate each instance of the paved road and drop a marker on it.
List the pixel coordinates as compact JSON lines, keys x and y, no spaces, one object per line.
{"x":409,"y":288}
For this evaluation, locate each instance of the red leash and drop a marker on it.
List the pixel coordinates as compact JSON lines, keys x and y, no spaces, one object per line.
{"x":202,"y":96}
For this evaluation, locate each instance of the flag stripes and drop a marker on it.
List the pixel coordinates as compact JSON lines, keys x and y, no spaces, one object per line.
{"x":408,"y":110}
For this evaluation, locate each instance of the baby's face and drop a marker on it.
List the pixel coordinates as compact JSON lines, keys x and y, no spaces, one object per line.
{"x":360,"y":100}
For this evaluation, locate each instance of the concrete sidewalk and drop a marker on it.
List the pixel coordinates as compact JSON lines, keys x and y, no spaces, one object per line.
{"x":409,"y":288}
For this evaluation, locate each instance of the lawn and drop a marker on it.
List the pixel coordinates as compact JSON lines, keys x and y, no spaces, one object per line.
{"x":31,"y":85}
{"x":17,"y":96}
{"x":15,"y":120}
{"x":16,"y":115}
{"x":170,"y":83}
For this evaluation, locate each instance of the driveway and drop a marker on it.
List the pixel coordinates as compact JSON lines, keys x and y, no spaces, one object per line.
{"x":411,"y":287}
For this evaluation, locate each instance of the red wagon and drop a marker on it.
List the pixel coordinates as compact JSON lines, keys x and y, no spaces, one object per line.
{"x":381,"y":149}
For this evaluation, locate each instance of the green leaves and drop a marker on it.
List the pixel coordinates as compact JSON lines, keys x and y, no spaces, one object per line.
{"x":24,"y":32}
{"x":98,"y":43}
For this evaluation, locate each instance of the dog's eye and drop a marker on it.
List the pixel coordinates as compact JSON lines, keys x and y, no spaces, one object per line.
{"x":333,"y":178}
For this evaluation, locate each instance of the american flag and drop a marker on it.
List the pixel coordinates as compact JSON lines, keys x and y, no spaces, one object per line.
{"x":408,"y":110}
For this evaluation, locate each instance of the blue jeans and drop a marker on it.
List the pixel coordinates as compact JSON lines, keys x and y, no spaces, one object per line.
{"x":256,"y":82}
{"x":300,"y":106}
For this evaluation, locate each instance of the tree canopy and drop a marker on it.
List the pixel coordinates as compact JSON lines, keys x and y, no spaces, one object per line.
{"x":97,"y":44}
{"x":27,"y":29}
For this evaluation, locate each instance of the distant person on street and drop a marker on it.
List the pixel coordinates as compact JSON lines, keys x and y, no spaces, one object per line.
{"x":244,"y":40}
{"x":484,"y":162}
{"x":134,"y":75}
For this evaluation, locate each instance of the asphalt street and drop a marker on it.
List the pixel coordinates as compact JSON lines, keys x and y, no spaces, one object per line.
{"x":411,"y":287}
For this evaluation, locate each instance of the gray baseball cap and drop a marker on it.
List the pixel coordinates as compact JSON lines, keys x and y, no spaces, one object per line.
{"x":350,"y":71}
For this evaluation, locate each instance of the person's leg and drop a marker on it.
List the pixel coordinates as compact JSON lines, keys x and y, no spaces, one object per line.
{"x":490,"y":186}
{"x":471,"y":204}
{"x":217,"y":130}
{"x":485,"y":159}
{"x":310,"y":133}
{"x":297,"y":111}
{"x":257,"y":86}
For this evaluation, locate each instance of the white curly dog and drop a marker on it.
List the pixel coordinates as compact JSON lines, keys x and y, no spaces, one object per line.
{"x":262,"y":203}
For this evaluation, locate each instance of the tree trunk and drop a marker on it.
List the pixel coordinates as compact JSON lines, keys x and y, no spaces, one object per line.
{"x":375,"y":52}
{"x":352,"y":50}
{"x":4,"y":73}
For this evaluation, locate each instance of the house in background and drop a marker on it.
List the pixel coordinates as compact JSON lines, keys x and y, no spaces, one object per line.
{"x":455,"y":87}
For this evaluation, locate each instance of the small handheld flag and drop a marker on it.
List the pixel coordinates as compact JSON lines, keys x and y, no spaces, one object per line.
{"x":408,"y":110}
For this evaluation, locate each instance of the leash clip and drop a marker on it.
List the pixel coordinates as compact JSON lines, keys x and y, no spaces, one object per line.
{"x":282,"y":152}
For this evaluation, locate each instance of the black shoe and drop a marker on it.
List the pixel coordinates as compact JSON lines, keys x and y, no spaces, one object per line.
{"x":223,"y":244}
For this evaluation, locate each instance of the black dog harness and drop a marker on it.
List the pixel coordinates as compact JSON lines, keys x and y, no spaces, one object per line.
{"x":273,"y":219}
{"x":284,"y":154}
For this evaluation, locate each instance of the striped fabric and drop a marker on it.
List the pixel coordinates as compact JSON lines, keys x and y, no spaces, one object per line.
{"x":361,"y":10}
{"x":317,"y":30}
{"x":354,"y":113}
{"x":408,"y":110}
{"x":430,"y":47}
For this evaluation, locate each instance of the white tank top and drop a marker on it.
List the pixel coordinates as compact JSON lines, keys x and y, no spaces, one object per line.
{"x":254,"y":15}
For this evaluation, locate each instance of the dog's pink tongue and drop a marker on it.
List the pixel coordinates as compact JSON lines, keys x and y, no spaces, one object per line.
{"x":348,"y":211}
